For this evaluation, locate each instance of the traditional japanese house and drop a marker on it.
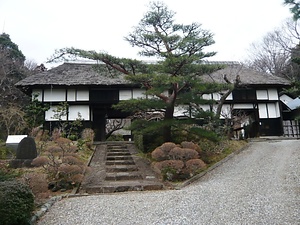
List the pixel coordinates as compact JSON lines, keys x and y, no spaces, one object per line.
{"x":91,"y":90}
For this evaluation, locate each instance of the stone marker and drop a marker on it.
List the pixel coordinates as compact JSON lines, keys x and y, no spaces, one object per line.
{"x":26,"y":152}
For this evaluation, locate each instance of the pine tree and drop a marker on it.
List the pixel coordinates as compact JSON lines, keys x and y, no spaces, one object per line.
{"x":173,"y":81}
{"x":295,"y":8}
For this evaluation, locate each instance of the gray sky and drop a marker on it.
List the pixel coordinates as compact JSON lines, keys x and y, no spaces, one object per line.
{"x":41,"y":26}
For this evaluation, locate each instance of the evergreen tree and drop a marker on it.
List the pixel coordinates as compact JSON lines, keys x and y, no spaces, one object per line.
{"x":173,"y":81}
{"x":12,"y":70}
{"x":295,"y":8}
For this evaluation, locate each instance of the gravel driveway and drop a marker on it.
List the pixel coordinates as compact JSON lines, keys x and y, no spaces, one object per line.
{"x":260,"y":185}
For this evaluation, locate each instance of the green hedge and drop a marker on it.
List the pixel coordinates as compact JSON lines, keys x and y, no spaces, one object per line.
{"x":16,"y":203}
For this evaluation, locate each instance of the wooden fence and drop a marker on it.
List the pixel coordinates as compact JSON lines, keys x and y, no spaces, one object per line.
{"x":291,"y":128}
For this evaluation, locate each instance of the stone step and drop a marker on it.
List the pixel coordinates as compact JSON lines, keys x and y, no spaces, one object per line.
{"x":116,"y":147}
{"x":120,"y":162}
{"x":121,"y":168}
{"x":117,"y":154}
{"x":125,"y":176}
{"x":126,"y":157}
{"x":122,"y":186}
{"x":118,"y":150}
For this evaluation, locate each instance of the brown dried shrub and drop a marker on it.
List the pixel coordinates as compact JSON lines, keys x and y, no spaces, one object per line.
{"x":183,"y":154}
{"x":56,"y":133}
{"x":194,"y":165}
{"x":191,"y":145}
{"x":40,"y":161}
{"x":167,"y":147}
{"x":72,"y":160}
{"x":53,"y":149}
{"x":158,"y":154}
{"x":174,"y":164}
{"x":77,"y":178}
{"x":88,"y":136}
{"x":38,"y":184}
{"x":66,"y":170}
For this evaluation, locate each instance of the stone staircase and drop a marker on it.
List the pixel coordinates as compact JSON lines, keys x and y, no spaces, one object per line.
{"x":116,"y":167}
{"x":120,"y":164}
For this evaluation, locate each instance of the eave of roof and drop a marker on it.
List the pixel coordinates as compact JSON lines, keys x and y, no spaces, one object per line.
{"x":247,"y":76}
{"x":74,"y":74}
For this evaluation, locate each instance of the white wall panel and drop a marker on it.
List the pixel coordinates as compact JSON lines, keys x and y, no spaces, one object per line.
{"x":181,"y":111}
{"x":206,"y":96}
{"x":262,"y":110}
{"x":262,"y":94}
{"x":54,"y":95}
{"x":273,"y":110}
{"x":216,"y":96}
{"x":82,"y":95}
{"x":38,"y":93}
{"x":229,"y":97}
{"x":226,"y":111}
{"x":205,"y":107}
{"x":125,"y":94}
{"x":50,"y":114}
{"x":71,"y":95}
{"x":273,"y":94}
{"x":84,"y":111}
{"x":243,"y":106}
{"x":138,"y":93}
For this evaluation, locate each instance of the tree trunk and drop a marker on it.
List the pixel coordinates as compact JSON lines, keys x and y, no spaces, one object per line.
{"x":167,"y":133}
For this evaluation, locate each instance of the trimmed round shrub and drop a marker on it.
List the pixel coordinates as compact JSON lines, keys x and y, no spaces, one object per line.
{"x":169,"y":169}
{"x":183,"y":154}
{"x":167,"y":147}
{"x":191,"y":145}
{"x":193,"y":165}
{"x":16,"y":203}
{"x":162,"y":152}
{"x":158,"y":154}
{"x":174,"y":164}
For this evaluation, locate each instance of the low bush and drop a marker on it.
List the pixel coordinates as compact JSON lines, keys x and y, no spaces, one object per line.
{"x":16,"y":203}
{"x":193,"y":166}
{"x":5,"y":152}
{"x":177,"y":162}
{"x":62,"y":164}
{"x":38,"y":184}
{"x":183,"y":154}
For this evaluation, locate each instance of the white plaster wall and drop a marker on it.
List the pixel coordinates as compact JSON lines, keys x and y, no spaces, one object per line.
{"x":262,"y":94}
{"x":206,"y":96}
{"x":82,"y":95}
{"x":84,"y":111}
{"x":138,"y":93}
{"x":181,"y":111}
{"x":205,"y":107}
{"x":273,"y":94}
{"x":216,"y":96}
{"x":49,"y":114}
{"x":229,"y":97}
{"x":226,"y":111}
{"x":54,"y":95}
{"x":71,"y":95}
{"x":243,"y":106}
{"x":273,"y":110}
{"x":125,"y":94}
{"x":262,"y":110}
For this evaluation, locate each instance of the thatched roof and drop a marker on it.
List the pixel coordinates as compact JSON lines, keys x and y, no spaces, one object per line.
{"x":75,"y":74}
{"x":247,"y":76}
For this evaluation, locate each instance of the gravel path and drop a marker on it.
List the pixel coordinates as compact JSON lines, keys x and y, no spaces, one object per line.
{"x":261,"y":185}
